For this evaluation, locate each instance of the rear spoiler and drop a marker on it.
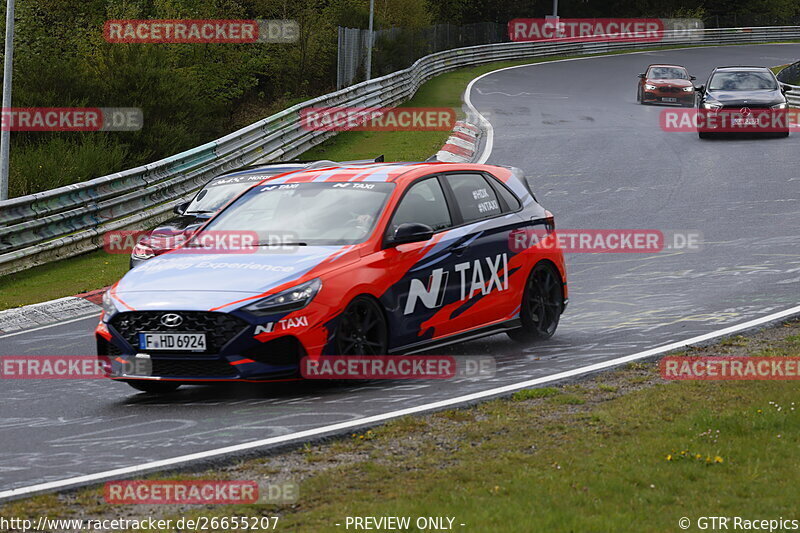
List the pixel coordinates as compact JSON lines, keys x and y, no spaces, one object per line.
{"x":520,"y":175}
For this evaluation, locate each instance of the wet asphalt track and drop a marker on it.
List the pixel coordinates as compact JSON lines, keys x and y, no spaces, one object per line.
{"x":597,"y":160}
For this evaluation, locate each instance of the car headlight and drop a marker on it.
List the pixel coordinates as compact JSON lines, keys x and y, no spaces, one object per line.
{"x":285,"y":301}
{"x":711,"y":105}
{"x":109,"y":308}
{"x":650,"y":87}
{"x":688,"y":89}
{"x":780,"y":106}
{"x":143,"y":251}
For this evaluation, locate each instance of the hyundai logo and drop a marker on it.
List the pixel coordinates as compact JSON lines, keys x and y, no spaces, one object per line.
{"x":171,"y":320}
{"x":745,"y":111}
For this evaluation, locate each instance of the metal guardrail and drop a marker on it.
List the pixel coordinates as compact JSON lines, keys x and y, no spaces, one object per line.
{"x":70,"y":220}
{"x":792,"y":72}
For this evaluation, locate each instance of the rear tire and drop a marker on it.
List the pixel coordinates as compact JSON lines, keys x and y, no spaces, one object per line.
{"x":154,"y":387}
{"x":703,"y":134}
{"x":542,"y":304}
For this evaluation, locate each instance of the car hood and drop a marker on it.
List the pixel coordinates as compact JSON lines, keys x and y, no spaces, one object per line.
{"x":189,"y":281}
{"x":677,"y":82}
{"x":747,"y":98}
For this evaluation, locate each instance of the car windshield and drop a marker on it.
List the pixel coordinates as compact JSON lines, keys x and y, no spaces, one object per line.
{"x":220,"y":190}
{"x":326,"y":213}
{"x":667,"y":73}
{"x":742,"y":81}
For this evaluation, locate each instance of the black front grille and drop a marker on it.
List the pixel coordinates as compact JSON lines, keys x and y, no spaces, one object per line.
{"x":670,"y":89}
{"x":218,"y":327}
{"x":192,"y":369}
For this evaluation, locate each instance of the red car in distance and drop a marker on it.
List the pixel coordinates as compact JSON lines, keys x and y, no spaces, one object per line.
{"x":666,"y":84}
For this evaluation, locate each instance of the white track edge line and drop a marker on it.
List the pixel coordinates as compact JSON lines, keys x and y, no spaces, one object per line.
{"x":54,"y":324}
{"x":100,"y":476}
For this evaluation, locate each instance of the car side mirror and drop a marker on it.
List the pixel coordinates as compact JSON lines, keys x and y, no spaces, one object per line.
{"x":785,"y":89}
{"x":180,"y":209}
{"x":411,"y":232}
{"x":692,"y":78}
{"x":641,"y":75}
{"x":701,"y":89}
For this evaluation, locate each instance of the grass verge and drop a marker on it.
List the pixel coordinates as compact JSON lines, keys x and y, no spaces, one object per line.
{"x":622,"y":451}
{"x":63,"y":278}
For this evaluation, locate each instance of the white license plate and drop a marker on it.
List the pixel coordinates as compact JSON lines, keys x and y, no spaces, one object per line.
{"x":173,"y":342}
{"x":669,"y":99}
{"x":745,"y":122}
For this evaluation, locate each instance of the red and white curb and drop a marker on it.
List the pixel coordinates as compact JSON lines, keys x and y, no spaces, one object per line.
{"x":46,"y":313}
{"x":461,"y":145}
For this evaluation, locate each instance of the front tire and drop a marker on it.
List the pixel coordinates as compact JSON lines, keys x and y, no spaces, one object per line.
{"x":362,"y":329}
{"x":154,"y":387}
{"x":542,"y":304}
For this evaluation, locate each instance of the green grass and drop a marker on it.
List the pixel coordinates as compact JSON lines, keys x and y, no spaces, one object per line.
{"x":529,"y":394}
{"x":62,"y":278}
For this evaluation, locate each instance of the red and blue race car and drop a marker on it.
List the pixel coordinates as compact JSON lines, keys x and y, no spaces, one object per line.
{"x":347,"y":260}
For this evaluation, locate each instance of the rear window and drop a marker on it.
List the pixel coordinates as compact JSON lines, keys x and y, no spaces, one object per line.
{"x":475,"y":197}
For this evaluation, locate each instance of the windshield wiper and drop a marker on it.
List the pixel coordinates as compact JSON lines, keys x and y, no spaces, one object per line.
{"x":283,"y":244}
{"x":199,"y":212}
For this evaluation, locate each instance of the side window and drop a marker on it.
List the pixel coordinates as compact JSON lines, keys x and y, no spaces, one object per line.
{"x":475,"y":197}
{"x":424,"y":203}
{"x":510,"y":198}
